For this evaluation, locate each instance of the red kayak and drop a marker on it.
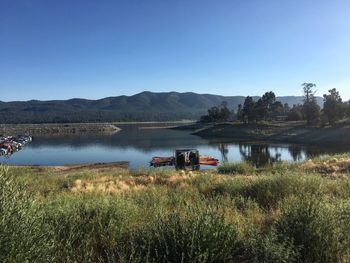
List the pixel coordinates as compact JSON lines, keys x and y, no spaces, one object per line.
{"x":208,"y":160}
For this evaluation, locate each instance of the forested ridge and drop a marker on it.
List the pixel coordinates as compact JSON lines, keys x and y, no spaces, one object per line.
{"x":145,"y":106}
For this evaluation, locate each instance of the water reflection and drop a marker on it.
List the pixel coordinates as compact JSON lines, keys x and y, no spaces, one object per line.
{"x":259,"y":155}
{"x":262,"y":154}
{"x":223,"y":148}
{"x":296,"y":152}
{"x":139,"y":145}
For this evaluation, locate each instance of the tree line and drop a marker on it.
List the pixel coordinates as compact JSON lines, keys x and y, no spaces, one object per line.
{"x":267,"y":108}
{"x":85,"y":116}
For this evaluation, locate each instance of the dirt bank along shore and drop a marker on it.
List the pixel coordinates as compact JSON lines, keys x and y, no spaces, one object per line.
{"x":78,"y":167}
{"x":62,"y":128}
{"x":287,"y":132}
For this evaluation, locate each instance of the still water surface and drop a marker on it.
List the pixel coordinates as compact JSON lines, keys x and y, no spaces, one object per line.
{"x":138,"y":146}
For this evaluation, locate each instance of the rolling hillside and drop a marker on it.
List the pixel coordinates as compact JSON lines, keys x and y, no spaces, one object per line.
{"x":145,"y":106}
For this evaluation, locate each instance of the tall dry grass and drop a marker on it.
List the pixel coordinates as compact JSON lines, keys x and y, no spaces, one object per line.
{"x":278,"y":215}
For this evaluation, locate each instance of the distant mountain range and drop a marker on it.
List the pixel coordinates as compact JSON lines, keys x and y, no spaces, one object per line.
{"x":145,"y":106}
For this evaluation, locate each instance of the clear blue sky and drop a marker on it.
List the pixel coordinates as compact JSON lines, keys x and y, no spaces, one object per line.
{"x":59,"y":49}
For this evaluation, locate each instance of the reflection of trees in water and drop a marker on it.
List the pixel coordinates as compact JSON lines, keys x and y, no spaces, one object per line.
{"x":258,"y":155}
{"x":296,"y":152}
{"x":299,"y":153}
{"x":224,"y":152}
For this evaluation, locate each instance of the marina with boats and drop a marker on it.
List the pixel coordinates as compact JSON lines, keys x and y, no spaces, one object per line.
{"x":11,"y":144}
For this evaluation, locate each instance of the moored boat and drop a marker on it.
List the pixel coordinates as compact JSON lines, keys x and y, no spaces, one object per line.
{"x":11,"y":144}
{"x":208,"y":160}
{"x":162,"y":161}
{"x":2,"y":152}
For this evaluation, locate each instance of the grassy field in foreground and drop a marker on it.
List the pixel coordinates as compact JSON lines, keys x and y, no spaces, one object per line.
{"x":284,"y":213}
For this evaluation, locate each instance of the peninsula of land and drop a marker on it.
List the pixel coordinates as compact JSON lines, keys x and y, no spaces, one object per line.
{"x":286,"y":132}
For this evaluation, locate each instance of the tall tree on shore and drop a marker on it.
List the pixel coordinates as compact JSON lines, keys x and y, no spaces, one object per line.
{"x":219,"y":113}
{"x":264,"y":108}
{"x":268,"y":99}
{"x":249,"y":109}
{"x":333,"y":106}
{"x":311,"y":110}
{"x":240,"y":115}
{"x":277,"y":108}
{"x":260,"y":110}
{"x":224,"y":111}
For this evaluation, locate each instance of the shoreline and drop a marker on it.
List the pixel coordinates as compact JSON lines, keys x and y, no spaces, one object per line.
{"x":277,"y":132}
{"x":57,"y":128}
{"x":74,"y":167}
{"x":72,"y":128}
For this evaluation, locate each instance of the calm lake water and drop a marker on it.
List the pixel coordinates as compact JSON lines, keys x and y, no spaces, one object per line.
{"x":138,"y":146}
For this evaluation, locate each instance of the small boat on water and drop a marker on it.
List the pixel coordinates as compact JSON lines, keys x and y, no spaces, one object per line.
{"x":208,"y":160}
{"x":162,"y":161}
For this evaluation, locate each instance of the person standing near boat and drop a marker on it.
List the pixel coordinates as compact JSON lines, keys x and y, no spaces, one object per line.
{"x":194,"y":160}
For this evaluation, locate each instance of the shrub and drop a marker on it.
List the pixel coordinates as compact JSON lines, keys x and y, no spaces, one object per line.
{"x":242,"y":168}
{"x":269,"y":191}
{"x":86,"y":229}
{"x":199,"y":236}
{"x":315,"y":227}
{"x":260,"y":248}
{"x":23,"y":236}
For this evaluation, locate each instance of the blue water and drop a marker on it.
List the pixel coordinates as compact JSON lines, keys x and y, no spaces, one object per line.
{"x":138,"y":146}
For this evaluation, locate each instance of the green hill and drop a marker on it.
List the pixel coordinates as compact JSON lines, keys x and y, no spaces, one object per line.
{"x":145,"y":106}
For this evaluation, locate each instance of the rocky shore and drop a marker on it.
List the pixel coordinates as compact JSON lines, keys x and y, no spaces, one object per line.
{"x":61,"y":128}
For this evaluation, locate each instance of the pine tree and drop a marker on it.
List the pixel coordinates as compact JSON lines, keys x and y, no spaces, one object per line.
{"x":311,"y":110}
{"x":333,"y":106}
